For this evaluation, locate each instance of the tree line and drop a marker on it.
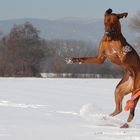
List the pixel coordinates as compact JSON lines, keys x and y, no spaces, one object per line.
{"x":23,"y":53}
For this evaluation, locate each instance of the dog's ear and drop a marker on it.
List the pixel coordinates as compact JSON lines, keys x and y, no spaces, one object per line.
{"x":108,"y":11}
{"x":121,"y":15}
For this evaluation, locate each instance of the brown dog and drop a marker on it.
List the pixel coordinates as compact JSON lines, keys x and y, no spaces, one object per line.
{"x":114,"y":46}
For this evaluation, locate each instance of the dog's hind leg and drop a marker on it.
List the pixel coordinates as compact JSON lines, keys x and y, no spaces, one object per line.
{"x":132,"y":109}
{"x":131,"y":114}
{"x":123,"y":88}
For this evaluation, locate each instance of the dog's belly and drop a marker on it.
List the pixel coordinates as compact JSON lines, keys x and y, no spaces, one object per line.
{"x":127,"y":86}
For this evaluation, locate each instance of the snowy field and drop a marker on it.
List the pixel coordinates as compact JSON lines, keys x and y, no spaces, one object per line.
{"x":62,"y":109}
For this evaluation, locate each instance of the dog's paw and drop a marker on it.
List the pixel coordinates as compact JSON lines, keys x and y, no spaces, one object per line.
{"x":69,"y":60}
{"x":125,"y":126}
{"x":72,"y":60}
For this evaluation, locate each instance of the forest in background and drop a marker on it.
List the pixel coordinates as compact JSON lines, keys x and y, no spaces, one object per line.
{"x":23,"y":53}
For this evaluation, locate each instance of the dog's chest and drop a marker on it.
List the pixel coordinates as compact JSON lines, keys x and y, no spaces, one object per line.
{"x":117,"y":53}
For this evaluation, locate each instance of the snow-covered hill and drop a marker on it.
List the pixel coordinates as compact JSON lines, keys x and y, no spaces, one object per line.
{"x":62,"y":109}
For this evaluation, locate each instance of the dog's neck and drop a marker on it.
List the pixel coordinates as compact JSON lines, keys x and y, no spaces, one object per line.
{"x":113,"y":35}
{"x":117,"y":37}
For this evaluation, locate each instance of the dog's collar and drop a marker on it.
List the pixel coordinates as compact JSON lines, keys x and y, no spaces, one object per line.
{"x":112,"y":34}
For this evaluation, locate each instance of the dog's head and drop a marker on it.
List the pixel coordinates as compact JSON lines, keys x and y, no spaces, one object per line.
{"x":111,"y":22}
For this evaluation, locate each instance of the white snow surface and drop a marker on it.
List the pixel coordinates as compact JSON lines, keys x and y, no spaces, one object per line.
{"x":62,"y":109}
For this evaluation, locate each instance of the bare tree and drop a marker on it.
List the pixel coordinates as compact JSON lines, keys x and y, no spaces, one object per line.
{"x":22,"y":51}
{"x":135,"y":26}
{"x":135,"y":22}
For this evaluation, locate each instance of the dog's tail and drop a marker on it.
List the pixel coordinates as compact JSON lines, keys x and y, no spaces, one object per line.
{"x":130,"y":102}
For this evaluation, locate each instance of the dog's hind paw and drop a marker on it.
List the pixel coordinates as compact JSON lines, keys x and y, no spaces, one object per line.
{"x":125,"y":126}
{"x":115,"y":113}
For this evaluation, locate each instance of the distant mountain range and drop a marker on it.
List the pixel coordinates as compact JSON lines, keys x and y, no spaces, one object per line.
{"x":87,"y":29}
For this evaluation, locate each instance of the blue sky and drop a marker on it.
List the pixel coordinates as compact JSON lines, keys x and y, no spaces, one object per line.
{"x":54,"y":9}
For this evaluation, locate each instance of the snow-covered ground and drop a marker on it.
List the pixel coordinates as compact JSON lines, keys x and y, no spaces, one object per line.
{"x":62,"y":109}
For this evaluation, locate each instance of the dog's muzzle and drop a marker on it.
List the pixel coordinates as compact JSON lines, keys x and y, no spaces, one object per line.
{"x":110,"y":31}
{"x":107,"y":33}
